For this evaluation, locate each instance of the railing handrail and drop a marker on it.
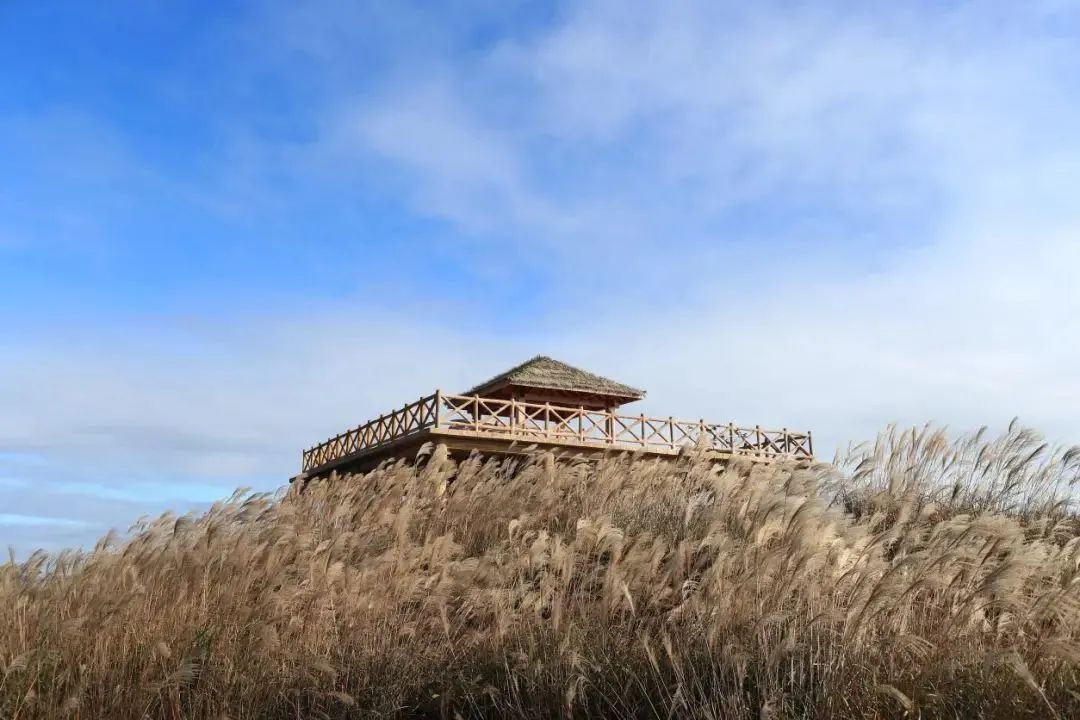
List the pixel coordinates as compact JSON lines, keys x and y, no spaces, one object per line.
{"x":612,"y":413}
{"x":557,"y":423}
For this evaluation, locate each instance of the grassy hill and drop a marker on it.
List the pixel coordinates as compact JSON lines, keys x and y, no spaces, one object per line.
{"x":918,"y":577}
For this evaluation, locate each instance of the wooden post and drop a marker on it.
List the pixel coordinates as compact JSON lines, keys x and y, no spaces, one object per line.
{"x":757,"y":438}
{"x":671,"y":431}
{"x":642,"y":438}
{"x":810,"y":443}
{"x":581,"y":423}
{"x":731,"y":437}
{"x":513,"y":415}
{"x":438,"y":407}
{"x":476,"y":412}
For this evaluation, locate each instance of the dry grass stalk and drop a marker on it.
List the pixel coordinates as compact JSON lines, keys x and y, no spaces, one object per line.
{"x":945,"y":582}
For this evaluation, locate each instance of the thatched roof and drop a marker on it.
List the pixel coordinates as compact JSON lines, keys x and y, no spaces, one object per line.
{"x":549,"y":374}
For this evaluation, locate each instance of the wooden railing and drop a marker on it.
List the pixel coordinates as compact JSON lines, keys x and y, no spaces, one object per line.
{"x":383,"y":430}
{"x":512,"y":419}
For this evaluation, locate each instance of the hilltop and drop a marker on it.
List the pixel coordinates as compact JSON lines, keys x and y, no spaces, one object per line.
{"x":918,"y":576}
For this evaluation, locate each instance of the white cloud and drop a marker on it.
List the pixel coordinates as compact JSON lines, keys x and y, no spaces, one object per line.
{"x":28,"y":520}
{"x":472,"y":176}
{"x":819,"y":218}
{"x":938,"y":140}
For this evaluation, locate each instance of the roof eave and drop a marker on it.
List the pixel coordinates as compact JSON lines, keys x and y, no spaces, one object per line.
{"x":628,"y":394}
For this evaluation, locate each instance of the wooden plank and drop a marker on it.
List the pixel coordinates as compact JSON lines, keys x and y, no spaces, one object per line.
{"x":555,"y":424}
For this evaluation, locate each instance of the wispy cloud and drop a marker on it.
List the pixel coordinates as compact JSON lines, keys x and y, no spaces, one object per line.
{"x":819,"y":216}
{"x":30,"y":520}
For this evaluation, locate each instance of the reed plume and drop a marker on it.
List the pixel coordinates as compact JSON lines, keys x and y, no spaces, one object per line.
{"x":914,"y":577}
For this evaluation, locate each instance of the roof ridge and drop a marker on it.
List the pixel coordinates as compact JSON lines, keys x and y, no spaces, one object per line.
{"x":561,"y":376}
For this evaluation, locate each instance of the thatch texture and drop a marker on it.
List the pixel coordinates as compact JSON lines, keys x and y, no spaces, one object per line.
{"x":550,"y":374}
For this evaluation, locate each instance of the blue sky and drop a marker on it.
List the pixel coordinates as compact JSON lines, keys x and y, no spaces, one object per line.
{"x":228,"y":230}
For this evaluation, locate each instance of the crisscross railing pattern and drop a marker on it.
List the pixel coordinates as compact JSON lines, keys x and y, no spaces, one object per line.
{"x":515,"y":420}
{"x":405,"y":421}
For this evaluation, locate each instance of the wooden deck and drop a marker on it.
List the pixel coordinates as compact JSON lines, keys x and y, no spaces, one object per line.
{"x":490,"y":424}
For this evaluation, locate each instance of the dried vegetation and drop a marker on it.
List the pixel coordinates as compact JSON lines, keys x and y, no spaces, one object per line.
{"x":915,"y":577}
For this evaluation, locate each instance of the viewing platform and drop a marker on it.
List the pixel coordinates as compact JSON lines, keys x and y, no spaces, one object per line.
{"x":506,"y":414}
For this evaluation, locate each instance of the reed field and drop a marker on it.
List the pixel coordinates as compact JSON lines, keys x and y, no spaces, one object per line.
{"x":917,"y":576}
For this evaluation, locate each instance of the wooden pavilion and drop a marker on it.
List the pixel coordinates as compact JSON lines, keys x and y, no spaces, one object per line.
{"x":549,"y":404}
